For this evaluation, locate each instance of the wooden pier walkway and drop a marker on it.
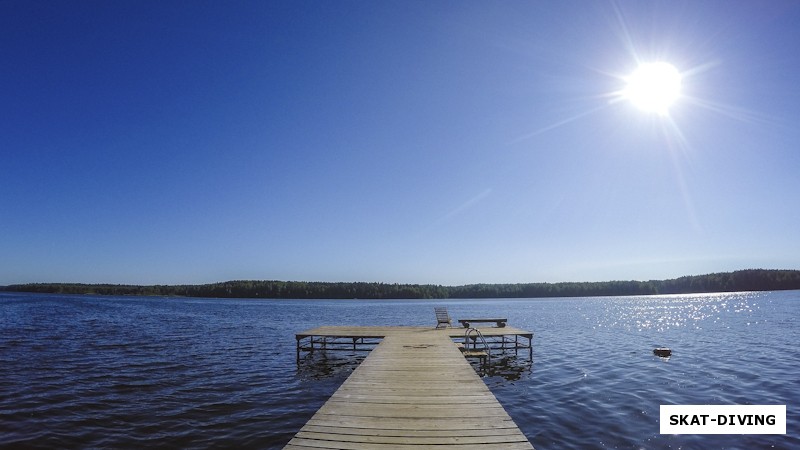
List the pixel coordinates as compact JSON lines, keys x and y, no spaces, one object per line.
{"x":414,"y":389}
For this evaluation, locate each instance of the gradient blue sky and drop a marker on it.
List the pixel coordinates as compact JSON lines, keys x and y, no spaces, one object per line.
{"x":441,"y":142}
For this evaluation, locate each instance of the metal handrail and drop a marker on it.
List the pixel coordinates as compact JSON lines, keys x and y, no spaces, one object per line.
{"x":478,"y":335}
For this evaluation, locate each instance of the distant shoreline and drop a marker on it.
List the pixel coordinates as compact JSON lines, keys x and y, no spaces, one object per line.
{"x":740,"y":280}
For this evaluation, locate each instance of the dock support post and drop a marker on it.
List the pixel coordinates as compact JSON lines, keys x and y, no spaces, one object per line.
{"x":530,"y":348}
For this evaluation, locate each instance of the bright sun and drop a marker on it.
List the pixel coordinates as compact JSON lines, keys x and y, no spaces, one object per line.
{"x":654,"y":87}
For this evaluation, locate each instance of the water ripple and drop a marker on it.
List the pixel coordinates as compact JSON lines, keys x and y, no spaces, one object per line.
{"x":198,"y":373}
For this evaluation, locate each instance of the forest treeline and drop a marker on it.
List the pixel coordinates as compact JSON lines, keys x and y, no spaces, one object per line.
{"x":742,"y":280}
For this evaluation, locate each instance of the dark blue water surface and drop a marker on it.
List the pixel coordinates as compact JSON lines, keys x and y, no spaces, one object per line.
{"x":121,"y":372}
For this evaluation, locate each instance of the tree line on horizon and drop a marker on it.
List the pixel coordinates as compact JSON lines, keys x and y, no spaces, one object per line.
{"x":742,"y":280}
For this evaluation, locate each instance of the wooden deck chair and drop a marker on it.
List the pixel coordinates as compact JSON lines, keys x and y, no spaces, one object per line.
{"x":442,"y":318}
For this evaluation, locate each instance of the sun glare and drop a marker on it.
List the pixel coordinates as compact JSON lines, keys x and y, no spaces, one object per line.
{"x":654,"y":87}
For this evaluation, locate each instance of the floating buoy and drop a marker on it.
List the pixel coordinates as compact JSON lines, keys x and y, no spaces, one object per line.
{"x":662,"y":351}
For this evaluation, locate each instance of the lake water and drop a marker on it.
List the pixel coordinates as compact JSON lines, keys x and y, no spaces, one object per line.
{"x":121,"y":372}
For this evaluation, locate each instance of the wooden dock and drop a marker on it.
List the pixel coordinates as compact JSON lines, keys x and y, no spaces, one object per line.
{"x":416,"y":389}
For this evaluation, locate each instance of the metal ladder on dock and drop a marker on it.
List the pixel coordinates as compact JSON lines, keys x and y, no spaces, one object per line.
{"x":473,"y":335}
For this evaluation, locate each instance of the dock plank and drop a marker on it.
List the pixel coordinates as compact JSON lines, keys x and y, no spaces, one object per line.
{"x":301,"y":443}
{"x":413,"y":389}
{"x":408,"y":423}
{"x":409,"y":440}
{"x":467,"y":432}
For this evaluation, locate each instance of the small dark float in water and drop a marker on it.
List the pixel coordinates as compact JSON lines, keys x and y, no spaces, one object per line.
{"x":662,"y":351}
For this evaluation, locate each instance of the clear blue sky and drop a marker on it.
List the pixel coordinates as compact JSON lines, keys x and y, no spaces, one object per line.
{"x":441,"y":142}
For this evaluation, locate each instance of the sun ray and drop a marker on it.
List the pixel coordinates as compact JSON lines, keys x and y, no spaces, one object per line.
{"x":677,"y":143}
{"x":732,"y":112}
{"x":557,"y":124}
{"x":622,"y":26}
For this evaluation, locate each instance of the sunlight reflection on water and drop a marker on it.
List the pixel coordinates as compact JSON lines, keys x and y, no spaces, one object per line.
{"x":661,"y":313}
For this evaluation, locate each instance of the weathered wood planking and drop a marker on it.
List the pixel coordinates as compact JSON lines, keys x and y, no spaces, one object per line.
{"x":414,"y":389}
